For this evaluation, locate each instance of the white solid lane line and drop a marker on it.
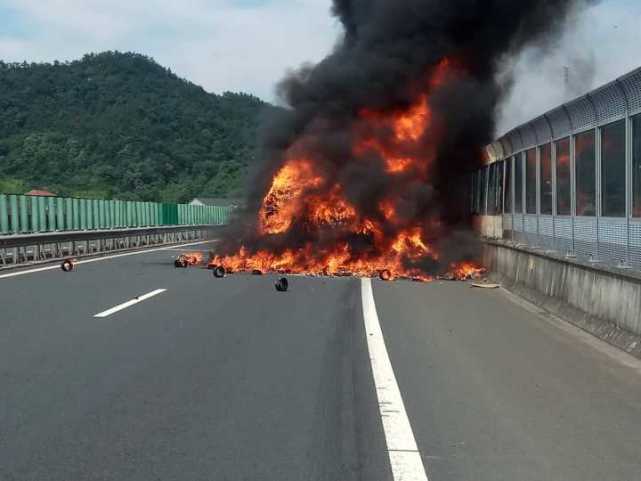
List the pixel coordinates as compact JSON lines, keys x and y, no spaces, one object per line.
{"x":129,"y":303}
{"x":404,"y":456}
{"x":99,"y":259}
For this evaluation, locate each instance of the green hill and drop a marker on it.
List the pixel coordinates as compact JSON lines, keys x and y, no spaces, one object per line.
{"x":120,"y":125}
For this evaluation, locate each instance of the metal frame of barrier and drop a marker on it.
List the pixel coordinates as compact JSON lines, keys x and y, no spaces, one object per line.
{"x":610,"y":112}
{"x":16,"y":250}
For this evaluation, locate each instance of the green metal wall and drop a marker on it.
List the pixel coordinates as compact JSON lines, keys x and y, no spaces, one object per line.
{"x":20,"y":214}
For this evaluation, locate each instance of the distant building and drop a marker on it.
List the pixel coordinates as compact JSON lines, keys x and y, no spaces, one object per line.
{"x":220,"y":202}
{"x":40,"y":193}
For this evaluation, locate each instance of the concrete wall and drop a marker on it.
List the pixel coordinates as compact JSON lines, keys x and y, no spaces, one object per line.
{"x":604,"y":301}
{"x":489,"y":226}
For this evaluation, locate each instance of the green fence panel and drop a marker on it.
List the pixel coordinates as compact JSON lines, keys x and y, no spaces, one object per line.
{"x":24,"y":215}
{"x":89,"y":213}
{"x":132,"y":214}
{"x":76,"y":214}
{"x":14,"y":221}
{"x":60,"y":213}
{"x":68,"y":214}
{"x":95,"y":218}
{"x":128,"y":216}
{"x":42,"y":213}
{"x":4,"y":214}
{"x":101,"y":214}
{"x":116,"y":213}
{"x":108,"y":219}
{"x":83,"y":214}
{"x":51,"y":213}
{"x":33,"y":224}
{"x":110,"y":214}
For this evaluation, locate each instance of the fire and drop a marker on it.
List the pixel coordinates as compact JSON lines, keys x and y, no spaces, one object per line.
{"x":189,"y":259}
{"x":332,"y":211}
{"x":466,"y":270}
{"x":283,"y":201}
{"x":309,"y":222}
{"x":410,"y":125}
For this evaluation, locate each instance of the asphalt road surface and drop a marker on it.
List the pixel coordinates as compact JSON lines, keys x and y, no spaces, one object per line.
{"x":227,"y":379}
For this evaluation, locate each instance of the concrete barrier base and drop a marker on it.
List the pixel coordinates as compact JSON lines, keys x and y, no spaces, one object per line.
{"x":603,"y":301}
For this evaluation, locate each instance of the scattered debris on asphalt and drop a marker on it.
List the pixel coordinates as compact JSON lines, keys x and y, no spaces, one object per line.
{"x":282,"y":284}
{"x":189,"y":259}
{"x":219,"y":272}
{"x":68,"y":265}
{"x":487,"y":285}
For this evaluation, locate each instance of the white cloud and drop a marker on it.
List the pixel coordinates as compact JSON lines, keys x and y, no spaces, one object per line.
{"x":220,"y":44}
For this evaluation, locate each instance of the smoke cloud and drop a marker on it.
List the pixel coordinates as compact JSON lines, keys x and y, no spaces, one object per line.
{"x":393,"y":54}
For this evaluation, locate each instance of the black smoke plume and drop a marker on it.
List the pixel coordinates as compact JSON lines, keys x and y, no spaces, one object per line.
{"x":389,"y":48}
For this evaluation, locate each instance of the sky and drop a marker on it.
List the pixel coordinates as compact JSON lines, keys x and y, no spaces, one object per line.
{"x":248,"y":45}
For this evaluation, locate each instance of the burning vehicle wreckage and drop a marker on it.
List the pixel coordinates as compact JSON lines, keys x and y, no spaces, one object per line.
{"x":365,"y":171}
{"x":366,"y":206}
{"x":375,"y":214}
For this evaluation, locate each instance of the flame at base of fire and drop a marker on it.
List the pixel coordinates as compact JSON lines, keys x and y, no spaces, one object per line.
{"x":339,"y":263}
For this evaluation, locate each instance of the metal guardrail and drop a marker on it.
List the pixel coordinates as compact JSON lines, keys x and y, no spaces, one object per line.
{"x":18,"y":250}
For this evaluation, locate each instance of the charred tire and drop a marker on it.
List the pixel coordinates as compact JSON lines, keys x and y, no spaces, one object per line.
{"x":282,"y":284}
{"x":67,"y":265}
{"x":385,"y":275}
{"x":180,"y":263}
{"x":219,"y":272}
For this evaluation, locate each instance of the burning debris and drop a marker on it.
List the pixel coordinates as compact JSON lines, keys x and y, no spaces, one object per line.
{"x":463,"y":271}
{"x":364,"y":173}
{"x":188,"y":260}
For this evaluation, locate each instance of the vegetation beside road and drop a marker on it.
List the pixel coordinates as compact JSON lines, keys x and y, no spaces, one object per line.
{"x":120,"y":125}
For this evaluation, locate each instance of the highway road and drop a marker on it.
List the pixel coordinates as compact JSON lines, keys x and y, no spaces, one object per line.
{"x":336,"y":379}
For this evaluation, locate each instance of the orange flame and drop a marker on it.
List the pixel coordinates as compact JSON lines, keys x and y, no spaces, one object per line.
{"x":380,"y":243}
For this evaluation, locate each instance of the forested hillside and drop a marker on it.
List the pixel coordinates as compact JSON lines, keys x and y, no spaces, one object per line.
{"x":120,"y":125}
